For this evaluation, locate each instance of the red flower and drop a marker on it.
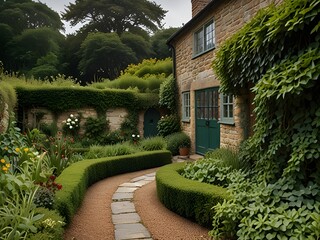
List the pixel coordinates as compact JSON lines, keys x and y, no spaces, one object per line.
{"x":52,"y":177}
{"x":59,"y":186}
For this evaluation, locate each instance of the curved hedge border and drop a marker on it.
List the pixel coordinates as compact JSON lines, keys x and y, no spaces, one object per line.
{"x":79,"y":176}
{"x":188,"y":198}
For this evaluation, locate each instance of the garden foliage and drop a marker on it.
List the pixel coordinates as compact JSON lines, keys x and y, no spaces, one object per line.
{"x":278,"y":54}
{"x":79,"y":176}
{"x":190,"y":199}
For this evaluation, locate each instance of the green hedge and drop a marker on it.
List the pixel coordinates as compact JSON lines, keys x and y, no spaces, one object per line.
{"x":60,"y":99}
{"x":190,"y":199}
{"x":79,"y":176}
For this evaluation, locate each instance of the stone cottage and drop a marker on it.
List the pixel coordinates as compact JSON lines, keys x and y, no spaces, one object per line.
{"x":211,"y":119}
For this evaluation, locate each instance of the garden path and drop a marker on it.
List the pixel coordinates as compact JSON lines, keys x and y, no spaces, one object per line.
{"x":94,"y":219}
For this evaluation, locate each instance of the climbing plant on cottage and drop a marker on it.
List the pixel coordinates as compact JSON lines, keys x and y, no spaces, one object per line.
{"x":278,"y":54}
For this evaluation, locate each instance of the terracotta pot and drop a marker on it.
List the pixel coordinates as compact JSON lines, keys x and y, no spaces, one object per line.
{"x":184,"y":151}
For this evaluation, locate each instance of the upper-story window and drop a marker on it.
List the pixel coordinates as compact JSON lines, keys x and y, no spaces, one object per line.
{"x":226,"y":102}
{"x":204,"y":38}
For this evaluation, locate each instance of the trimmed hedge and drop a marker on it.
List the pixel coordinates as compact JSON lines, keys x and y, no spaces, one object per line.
{"x":60,"y":99}
{"x":79,"y":176}
{"x":190,"y":199}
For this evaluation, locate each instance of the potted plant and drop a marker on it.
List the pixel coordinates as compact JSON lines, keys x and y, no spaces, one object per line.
{"x":184,"y":145}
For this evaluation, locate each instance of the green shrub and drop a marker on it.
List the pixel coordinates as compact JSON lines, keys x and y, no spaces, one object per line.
{"x":120,"y":149}
{"x":168,"y":125}
{"x":227,"y":157}
{"x":96,"y":128}
{"x":8,"y":96}
{"x":190,"y":199}
{"x":175,"y":140}
{"x":153,"y":143}
{"x":79,"y":176}
{"x":168,"y":94}
{"x":49,"y":227}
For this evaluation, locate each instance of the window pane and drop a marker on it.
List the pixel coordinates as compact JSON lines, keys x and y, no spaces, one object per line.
{"x":230,"y":115}
{"x":209,"y":36}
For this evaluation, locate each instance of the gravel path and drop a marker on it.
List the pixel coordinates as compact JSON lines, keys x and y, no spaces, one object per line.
{"x":93,"y":220}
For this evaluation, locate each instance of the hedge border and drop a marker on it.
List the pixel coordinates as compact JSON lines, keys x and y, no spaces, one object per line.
{"x":79,"y":176}
{"x":191,"y":199}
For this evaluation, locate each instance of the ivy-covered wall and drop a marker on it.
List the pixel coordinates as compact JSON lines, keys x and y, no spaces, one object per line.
{"x":55,"y":104}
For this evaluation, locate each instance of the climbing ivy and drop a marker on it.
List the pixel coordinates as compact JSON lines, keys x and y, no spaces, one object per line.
{"x":278,"y":54}
{"x":274,"y":34}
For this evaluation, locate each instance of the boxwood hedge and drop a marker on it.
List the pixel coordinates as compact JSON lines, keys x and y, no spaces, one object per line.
{"x":190,"y":199}
{"x":79,"y":176}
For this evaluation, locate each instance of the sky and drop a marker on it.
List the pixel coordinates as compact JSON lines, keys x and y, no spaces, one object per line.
{"x":179,"y":11}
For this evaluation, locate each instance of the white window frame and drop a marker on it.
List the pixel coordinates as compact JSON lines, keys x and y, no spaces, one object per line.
{"x":185,"y":106}
{"x":226,"y":109}
{"x":204,"y":39}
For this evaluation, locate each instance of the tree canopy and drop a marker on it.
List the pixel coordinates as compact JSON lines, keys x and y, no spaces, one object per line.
{"x":115,"y":16}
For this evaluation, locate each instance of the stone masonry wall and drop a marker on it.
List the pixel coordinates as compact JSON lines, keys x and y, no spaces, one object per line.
{"x":196,"y":73}
{"x":198,"y":5}
{"x":36,"y":116}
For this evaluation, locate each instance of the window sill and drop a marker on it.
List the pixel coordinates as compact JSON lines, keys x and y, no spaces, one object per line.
{"x":186,"y":120}
{"x":227,"y":122}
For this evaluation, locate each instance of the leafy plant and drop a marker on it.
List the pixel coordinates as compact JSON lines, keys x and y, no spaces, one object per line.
{"x":97,"y":151}
{"x":175,"y":140}
{"x":96,"y":128}
{"x":49,"y":227}
{"x":281,"y":199}
{"x":167,"y":95}
{"x":168,"y":124}
{"x":153,"y":143}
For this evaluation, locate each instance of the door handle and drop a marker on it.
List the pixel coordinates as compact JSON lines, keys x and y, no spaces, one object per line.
{"x":207,"y":123}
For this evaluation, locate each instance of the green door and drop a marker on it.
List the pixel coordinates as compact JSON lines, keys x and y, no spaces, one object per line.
{"x":151,"y":118}
{"x":207,"y":126}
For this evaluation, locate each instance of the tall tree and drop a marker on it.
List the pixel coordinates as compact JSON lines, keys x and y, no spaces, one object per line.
{"x":104,"y":55}
{"x":31,"y":45}
{"x":159,"y":42}
{"x":28,"y":31}
{"x":115,"y":15}
{"x":26,"y":14}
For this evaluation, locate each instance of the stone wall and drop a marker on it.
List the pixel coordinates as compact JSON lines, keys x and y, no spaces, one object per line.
{"x":198,"y":5}
{"x":36,"y":116}
{"x":194,"y":73}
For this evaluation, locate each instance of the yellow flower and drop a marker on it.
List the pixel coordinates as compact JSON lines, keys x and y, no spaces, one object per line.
{"x":6,"y":148}
{"x":26,"y":149}
{"x":2,"y":160}
{"x":5,"y":169}
{"x":17,"y":149}
{"x":8,"y":165}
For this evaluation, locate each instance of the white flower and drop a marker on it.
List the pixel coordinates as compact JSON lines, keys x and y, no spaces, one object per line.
{"x":73,"y":122}
{"x":70,"y":127}
{"x":76,"y":120}
{"x":133,"y":135}
{"x":71,"y":115}
{"x":68,"y":123}
{"x":68,"y":120}
{"x":138,"y":136}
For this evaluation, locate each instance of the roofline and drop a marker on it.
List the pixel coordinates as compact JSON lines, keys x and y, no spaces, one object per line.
{"x":193,"y":20}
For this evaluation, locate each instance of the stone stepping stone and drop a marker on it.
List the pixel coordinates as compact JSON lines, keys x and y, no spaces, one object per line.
{"x":126,"y":218}
{"x":126,"y":189}
{"x":122,"y":196}
{"x":122,"y":207}
{"x":131,"y":231}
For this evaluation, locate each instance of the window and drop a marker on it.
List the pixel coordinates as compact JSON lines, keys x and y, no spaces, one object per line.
{"x":186,"y":106}
{"x":204,"y":39}
{"x":226,"y":115}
